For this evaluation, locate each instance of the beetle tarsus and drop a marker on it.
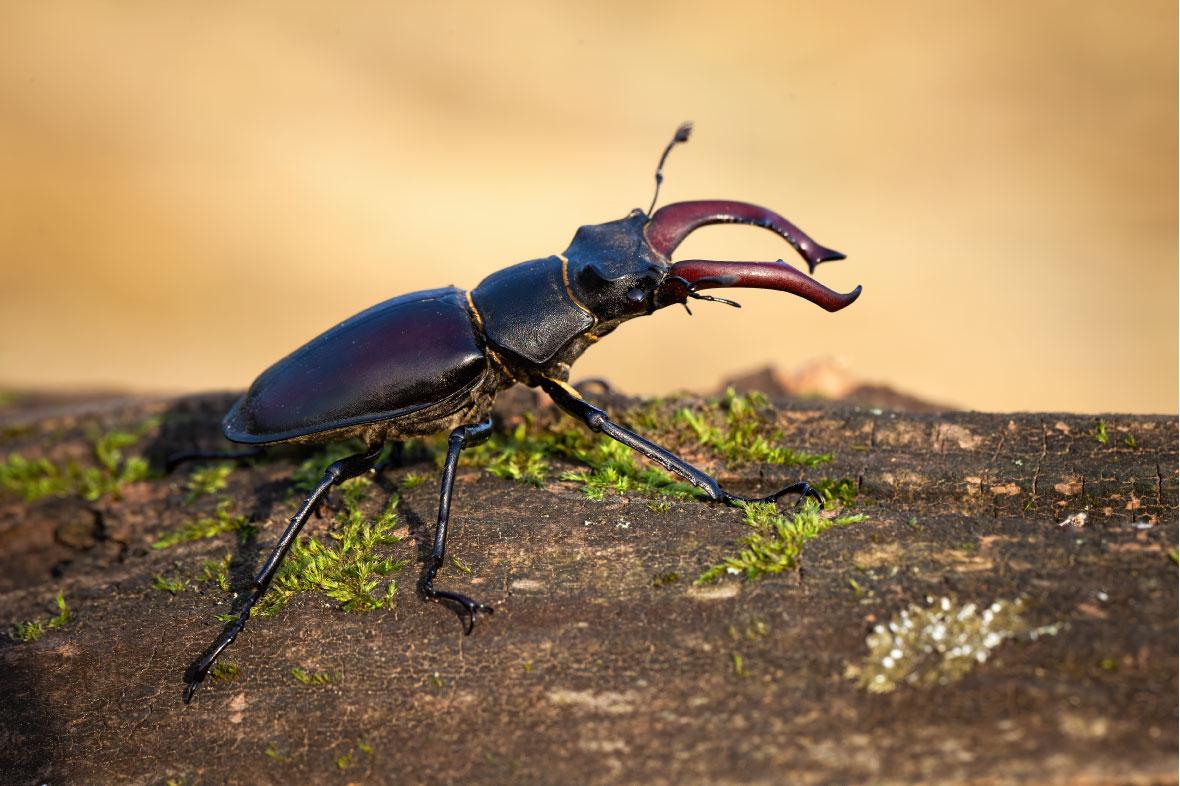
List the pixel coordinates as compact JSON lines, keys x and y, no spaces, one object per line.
{"x":462,"y":437}
{"x":471,"y":607}
{"x":338,"y":472}
{"x":802,"y":488}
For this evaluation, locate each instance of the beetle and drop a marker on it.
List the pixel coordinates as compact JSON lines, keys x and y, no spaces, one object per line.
{"x":433,"y":361}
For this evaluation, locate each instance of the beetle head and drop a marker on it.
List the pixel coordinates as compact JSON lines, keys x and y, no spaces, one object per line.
{"x":621,"y":269}
{"x":613,"y":271}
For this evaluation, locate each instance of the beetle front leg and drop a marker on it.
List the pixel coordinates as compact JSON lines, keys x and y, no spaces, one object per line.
{"x":337,"y":472}
{"x":571,"y":402}
{"x":462,"y":437}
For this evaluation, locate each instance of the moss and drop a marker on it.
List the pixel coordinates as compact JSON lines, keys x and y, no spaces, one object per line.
{"x":115,"y":470}
{"x":664,"y":579}
{"x":755,"y":629}
{"x":207,"y":480}
{"x":842,"y":490}
{"x":224,"y":672}
{"x":315,"y":677}
{"x":1130,"y":441}
{"x":27,"y":631}
{"x":460,"y":565}
{"x":739,"y":666}
{"x":208,"y":527}
{"x":34,"y":478}
{"x":35,"y":629}
{"x":216,"y":571}
{"x":740,"y":429}
{"x":345,"y":761}
{"x":775,"y":541}
{"x":1100,"y":433}
{"x":412,"y":481}
{"x":173,"y":586}
{"x":351,"y":569}
{"x":520,"y":457}
{"x":525,"y":455}
{"x":614,"y":467}
{"x":659,"y":506}
{"x":737,"y":429}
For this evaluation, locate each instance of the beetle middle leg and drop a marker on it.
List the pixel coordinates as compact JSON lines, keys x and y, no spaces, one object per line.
{"x":338,"y":472}
{"x":571,"y":402}
{"x":462,"y":437}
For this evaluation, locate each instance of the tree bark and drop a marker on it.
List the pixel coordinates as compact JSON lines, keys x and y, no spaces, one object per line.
{"x":603,"y":662}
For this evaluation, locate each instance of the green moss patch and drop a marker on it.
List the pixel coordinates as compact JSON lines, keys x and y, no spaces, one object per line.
{"x":353,"y":566}
{"x":172,"y":586}
{"x":224,"y":672}
{"x":220,"y":522}
{"x":735,"y":430}
{"x":315,"y":677}
{"x":775,"y":540}
{"x":740,"y":429}
{"x":35,"y":629}
{"x":34,"y":478}
{"x":208,"y":480}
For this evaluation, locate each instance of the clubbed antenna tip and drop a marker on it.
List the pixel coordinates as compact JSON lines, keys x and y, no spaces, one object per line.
{"x":682,"y":134}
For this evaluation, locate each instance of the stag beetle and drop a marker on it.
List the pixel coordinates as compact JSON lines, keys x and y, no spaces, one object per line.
{"x":434,"y":361}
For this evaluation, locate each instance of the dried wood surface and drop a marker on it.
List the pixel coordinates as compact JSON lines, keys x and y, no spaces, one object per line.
{"x":594,"y":669}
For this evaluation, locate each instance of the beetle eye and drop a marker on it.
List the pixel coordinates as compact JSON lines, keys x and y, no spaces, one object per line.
{"x":635,"y":295}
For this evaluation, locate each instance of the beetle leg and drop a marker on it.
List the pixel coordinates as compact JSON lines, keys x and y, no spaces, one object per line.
{"x":396,"y":458}
{"x":462,"y":437}
{"x":337,"y":472}
{"x":568,"y":399}
{"x":176,"y":459}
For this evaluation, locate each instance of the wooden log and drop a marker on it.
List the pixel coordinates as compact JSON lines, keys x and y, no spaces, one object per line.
{"x":604,"y":663}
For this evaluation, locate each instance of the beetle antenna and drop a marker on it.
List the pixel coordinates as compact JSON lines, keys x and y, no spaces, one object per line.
{"x":682,"y":134}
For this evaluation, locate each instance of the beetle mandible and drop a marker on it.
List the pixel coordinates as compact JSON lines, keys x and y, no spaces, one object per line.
{"x":434,"y":361}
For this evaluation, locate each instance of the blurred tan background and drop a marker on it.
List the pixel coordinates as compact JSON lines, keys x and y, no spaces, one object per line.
{"x":188,"y":192}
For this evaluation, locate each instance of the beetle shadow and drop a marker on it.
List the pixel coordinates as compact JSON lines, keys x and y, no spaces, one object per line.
{"x":30,"y":723}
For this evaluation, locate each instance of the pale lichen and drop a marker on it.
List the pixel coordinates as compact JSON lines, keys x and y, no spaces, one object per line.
{"x":939,"y":643}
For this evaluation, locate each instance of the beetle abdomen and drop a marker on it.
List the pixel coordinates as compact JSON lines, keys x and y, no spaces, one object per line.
{"x":527,"y":309}
{"x":398,"y":357}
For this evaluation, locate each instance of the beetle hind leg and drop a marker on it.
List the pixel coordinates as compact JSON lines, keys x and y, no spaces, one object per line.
{"x":337,"y":472}
{"x":462,"y":437}
{"x":174,"y":460}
